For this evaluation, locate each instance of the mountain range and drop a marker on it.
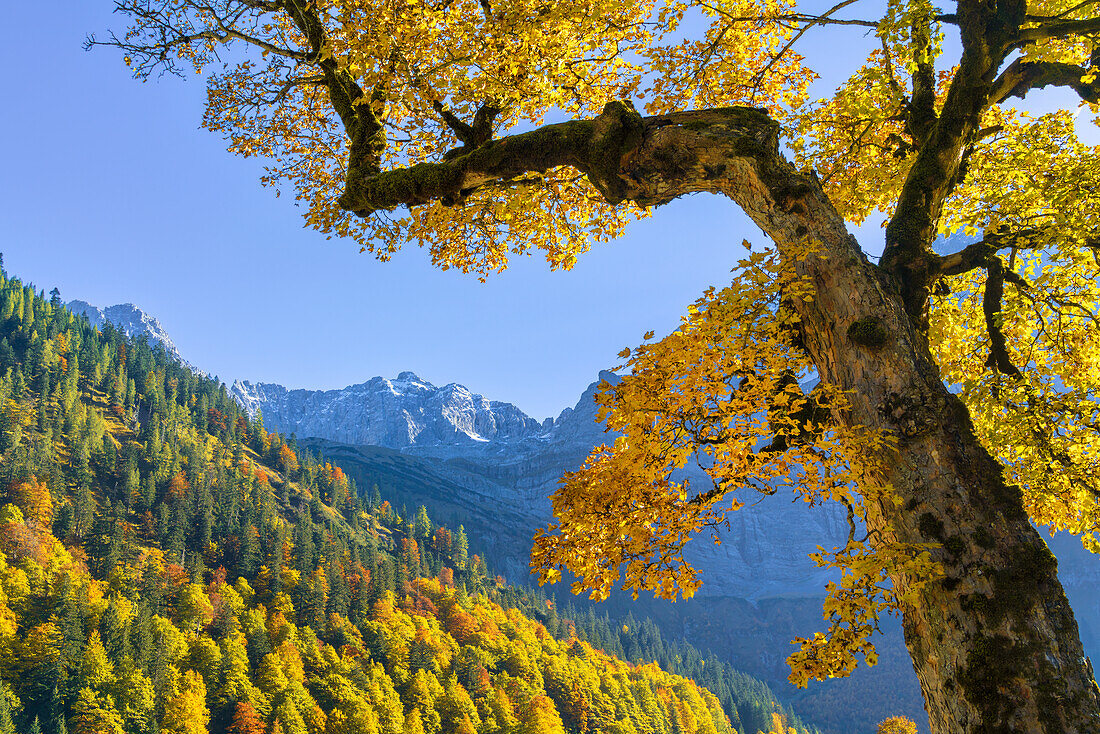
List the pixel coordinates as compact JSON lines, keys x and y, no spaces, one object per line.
{"x":487,"y":465}
{"x":493,"y":459}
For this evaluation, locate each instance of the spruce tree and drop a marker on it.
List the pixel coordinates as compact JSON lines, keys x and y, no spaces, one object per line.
{"x":6,"y":724}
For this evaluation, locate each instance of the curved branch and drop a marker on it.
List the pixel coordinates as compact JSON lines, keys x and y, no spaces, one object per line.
{"x":648,"y":160}
{"x":810,"y":22}
{"x":344,"y":92}
{"x":359,"y":113}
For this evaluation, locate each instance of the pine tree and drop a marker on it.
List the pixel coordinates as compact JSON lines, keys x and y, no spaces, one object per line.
{"x":6,"y":725}
{"x":460,"y":549}
{"x":422,"y":526}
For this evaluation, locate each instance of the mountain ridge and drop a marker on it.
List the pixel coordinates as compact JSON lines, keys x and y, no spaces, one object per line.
{"x":394,"y":413}
{"x":132,"y":321}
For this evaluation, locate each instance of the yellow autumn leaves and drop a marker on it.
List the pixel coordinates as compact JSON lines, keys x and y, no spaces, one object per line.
{"x":722,"y":392}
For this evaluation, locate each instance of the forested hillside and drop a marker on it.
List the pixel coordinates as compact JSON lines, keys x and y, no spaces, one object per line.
{"x":168,"y":565}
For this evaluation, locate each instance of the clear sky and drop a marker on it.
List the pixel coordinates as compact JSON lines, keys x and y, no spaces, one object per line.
{"x":112,"y":192}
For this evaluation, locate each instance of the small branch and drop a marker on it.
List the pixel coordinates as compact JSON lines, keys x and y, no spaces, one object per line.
{"x":890,"y":76}
{"x":471,"y":136}
{"x":810,"y":22}
{"x":1063,"y":14}
{"x":851,"y":517}
{"x":999,"y":358}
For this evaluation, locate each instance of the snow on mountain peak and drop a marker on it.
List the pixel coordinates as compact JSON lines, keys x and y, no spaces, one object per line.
{"x":396,"y":413}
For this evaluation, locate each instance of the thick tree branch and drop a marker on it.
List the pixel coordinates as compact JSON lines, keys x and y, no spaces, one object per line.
{"x":1023,"y":76}
{"x":978,"y":254}
{"x":593,"y":147}
{"x":1047,"y":29}
{"x":648,"y":160}
{"x":922,"y":106}
{"x":986,"y":30}
{"x":344,"y":92}
{"x":360,"y":114}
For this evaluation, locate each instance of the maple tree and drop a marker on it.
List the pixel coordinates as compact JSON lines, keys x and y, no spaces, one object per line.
{"x":359,"y":104}
{"x":896,"y":725}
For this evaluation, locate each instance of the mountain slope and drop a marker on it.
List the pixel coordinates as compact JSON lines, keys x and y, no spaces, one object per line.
{"x":168,"y":565}
{"x":492,"y":459}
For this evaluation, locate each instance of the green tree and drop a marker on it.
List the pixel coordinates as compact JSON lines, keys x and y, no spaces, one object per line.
{"x":461,"y":549}
{"x":6,"y":725}
{"x":422,"y":525}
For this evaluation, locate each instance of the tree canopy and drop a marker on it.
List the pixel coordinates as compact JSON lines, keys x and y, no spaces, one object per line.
{"x":428,"y":123}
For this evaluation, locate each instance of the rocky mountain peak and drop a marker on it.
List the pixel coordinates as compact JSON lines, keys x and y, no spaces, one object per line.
{"x":131,"y":320}
{"x":396,"y":413}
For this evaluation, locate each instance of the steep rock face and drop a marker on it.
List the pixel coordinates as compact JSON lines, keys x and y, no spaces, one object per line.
{"x":130,"y":319}
{"x":499,"y":467}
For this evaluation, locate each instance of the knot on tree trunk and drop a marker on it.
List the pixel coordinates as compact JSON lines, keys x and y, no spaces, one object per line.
{"x":616,"y":135}
{"x":913,"y":414}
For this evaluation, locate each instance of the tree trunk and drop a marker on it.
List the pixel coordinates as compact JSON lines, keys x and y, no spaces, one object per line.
{"x":995,"y":644}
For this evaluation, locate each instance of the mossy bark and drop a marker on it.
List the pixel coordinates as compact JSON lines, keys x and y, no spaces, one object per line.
{"x":994,"y":644}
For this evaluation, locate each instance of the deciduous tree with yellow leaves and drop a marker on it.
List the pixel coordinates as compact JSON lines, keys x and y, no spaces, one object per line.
{"x":382,"y":116}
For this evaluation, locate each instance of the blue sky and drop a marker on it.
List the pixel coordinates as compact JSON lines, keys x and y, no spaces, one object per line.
{"x":113,"y":193}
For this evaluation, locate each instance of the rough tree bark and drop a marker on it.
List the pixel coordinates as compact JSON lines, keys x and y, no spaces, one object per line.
{"x":995,"y":643}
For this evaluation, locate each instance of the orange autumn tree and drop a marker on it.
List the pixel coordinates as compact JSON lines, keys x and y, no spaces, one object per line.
{"x":33,"y":498}
{"x":383,"y":117}
{"x":246,"y":720}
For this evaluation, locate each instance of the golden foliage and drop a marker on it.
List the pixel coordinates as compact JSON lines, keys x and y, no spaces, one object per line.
{"x":712,"y":392}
